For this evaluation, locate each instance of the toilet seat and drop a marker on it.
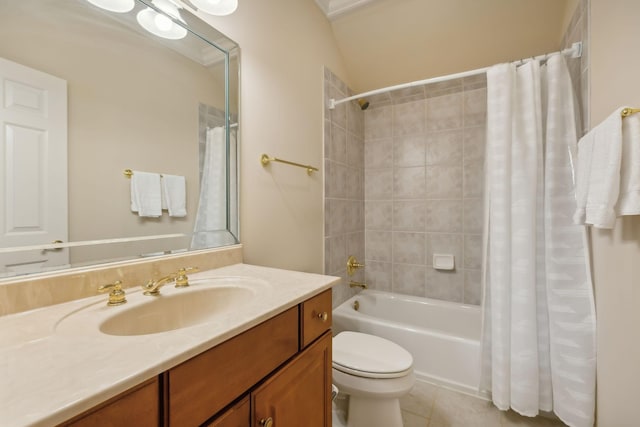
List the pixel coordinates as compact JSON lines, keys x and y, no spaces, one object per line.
{"x":369,"y":356}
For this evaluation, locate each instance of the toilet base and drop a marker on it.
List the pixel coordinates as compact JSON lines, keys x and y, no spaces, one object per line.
{"x":374,"y":412}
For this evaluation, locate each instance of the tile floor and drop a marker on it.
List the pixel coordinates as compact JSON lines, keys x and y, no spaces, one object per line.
{"x":428,"y":405}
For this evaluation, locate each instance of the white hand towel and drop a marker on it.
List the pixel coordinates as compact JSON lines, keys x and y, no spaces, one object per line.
{"x":598,"y":176}
{"x":175,"y":195}
{"x":146,"y":194}
{"x":629,"y":201}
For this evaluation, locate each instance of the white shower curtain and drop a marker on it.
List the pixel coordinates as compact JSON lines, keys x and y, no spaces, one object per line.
{"x":538,"y":346}
{"x":212,"y":205}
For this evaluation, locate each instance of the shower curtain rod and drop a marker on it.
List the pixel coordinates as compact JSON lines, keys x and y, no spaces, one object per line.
{"x":575,"y":51}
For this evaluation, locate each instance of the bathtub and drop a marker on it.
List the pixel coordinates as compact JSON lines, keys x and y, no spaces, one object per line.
{"x":442,"y":337}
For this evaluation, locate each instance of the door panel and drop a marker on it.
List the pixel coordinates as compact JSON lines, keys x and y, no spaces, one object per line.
{"x":33,"y":167}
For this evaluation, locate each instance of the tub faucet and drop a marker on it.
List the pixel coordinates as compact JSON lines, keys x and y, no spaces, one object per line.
{"x":153,"y":286}
{"x":353,"y":284}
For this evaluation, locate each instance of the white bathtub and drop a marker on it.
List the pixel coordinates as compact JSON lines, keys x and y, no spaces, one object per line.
{"x":442,"y":337}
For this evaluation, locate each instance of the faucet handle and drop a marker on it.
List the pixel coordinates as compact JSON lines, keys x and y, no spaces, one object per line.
{"x":182,"y":281}
{"x":353,"y":265}
{"x":116,"y":294}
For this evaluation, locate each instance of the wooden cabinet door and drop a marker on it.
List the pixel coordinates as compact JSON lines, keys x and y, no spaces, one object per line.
{"x":137,"y":407}
{"x":300,"y":393}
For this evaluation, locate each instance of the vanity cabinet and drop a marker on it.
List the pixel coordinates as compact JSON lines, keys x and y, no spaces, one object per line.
{"x":282,"y":366}
{"x":276,"y":374}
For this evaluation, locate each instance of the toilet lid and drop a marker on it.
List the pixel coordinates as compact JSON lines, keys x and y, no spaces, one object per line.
{"x":369,"y":356}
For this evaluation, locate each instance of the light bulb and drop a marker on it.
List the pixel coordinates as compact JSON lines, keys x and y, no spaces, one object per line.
{"x":216,"y":7}
{"x":161,"y":25}
{"x":162,"y":22}
{"x":118,"y":6}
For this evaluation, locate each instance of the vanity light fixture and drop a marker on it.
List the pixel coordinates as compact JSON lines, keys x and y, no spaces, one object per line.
{"x":161,"y":25}
{"x":118,"y":6}
{"x":216,"y":7}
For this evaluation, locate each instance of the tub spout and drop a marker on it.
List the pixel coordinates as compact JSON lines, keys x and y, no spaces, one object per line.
{"x":353,"y":284}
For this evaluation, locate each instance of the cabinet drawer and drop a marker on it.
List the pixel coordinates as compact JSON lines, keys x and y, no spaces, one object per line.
{"x":315,"y":317}
{"x":202,"y":386}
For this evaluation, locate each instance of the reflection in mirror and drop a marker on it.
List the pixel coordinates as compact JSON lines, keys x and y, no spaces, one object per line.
{"x":87,"y":94}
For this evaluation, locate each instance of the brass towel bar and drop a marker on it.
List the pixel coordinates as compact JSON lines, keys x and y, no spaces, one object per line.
{"x":265,"y":160}
{"x":629,"y":111}
{"x":128,"y":173}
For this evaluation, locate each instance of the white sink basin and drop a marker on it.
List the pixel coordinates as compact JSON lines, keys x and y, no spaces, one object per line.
{"x":203,"y":302}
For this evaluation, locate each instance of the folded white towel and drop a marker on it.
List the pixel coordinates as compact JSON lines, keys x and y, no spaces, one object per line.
{"x":629,"y":201}
{"x":174,"y":195}
{"x":146,"y":196}
{"x":598,"y":173}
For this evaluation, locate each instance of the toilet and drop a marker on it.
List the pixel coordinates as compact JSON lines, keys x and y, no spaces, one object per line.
{"x":375,"y":373}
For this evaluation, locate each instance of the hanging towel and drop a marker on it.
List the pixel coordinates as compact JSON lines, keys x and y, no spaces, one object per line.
{"x":629,"y":201}
{"x":174,"y":195}
{"x":598,"y":173}
{"x":146,"y":196}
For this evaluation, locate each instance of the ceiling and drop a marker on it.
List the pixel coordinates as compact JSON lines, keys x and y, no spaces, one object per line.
{"x":389,"y":42}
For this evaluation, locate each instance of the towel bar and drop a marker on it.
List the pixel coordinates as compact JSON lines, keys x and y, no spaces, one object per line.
{"x":128,"y":173}
{"x":265,"y":160}
{"x":629,"y":111}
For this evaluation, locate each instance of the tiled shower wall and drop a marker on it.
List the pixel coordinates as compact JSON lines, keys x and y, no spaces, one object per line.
{"x":416,"y":189}
{"x":424,"y":155}
{"x":344,"y":187}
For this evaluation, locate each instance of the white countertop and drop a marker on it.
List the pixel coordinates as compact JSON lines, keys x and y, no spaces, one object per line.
{"x":53,"y":367}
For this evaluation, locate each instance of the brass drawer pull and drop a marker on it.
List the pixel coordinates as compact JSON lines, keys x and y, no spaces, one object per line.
{"x":267,"y":423}
{"x":323,"y":316}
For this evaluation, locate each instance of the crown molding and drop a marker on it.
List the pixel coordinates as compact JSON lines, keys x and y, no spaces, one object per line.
{"x":335,"y":8}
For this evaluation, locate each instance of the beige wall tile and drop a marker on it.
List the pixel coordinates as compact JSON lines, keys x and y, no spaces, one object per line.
{"x":409,"y":279}
{"x":444,"y":112}
{"x":408,"y":118}
{"x":444,"y":216}
{"x":472,"y":287}
{"x":409,"y":215}
{"x":378,"y":215}
{"x":409,"y":183}
{"x":475,"y":107}
{"x":378,"y":245}
{"x":409,"y":150}
{"x":408,"y":248}
{"x":444,"y":182}
{"x":378,"y":153}
{"x":473,"y":251}
{"x":444,"y":148}
{"x":446,"y":285}
{"x":377,"y":123}
{"x":378,"y":275}
{"x":378,"y":184}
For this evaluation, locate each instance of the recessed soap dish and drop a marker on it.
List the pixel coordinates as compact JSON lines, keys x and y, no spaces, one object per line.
{"x":443,"y":261}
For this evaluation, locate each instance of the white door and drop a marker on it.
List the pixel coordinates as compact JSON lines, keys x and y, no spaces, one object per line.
{"x":33,"y":168}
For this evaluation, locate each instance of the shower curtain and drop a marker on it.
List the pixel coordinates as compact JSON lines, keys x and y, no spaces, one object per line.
{"x":538,"y":346}
{"x":212,"y":205}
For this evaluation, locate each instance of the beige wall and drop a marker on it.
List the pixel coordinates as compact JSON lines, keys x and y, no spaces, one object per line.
{"x":284,"y":45}
{"x":615,"y":67}
{"x":438,"y":37}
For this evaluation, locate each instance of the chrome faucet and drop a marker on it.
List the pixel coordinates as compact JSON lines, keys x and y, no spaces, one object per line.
{"x":153,"y":286}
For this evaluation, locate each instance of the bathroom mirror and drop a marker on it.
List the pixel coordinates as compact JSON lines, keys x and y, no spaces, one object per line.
{"x":89,"y":93}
